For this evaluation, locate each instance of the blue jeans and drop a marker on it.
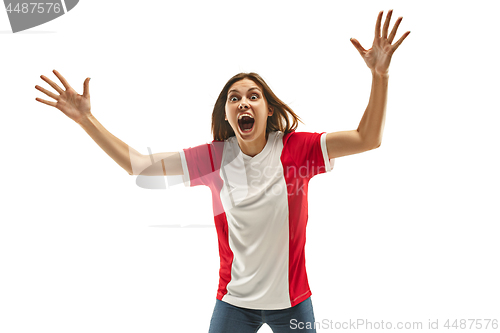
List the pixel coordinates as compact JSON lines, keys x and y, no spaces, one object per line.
{"x":228,"y":318}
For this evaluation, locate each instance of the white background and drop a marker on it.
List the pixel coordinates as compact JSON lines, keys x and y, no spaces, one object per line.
{"x":405,"y":232}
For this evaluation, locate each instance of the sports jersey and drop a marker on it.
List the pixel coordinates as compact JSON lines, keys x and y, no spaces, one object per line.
{"x":260,"y":214}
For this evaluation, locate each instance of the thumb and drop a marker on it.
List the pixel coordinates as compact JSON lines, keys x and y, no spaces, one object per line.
{"x":358,"y":46}
{"x":86,"y":92}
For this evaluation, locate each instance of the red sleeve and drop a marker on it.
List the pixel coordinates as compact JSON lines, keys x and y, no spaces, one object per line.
{"x":200,"y":163}
{"x":307,"y":152}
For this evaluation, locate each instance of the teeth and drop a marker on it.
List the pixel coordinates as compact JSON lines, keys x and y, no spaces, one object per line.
{"x":244,"y":115}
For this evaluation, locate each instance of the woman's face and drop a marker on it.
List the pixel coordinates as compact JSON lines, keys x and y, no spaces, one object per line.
{"x":247,"y":110}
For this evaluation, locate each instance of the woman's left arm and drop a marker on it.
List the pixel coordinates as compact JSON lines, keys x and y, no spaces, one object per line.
{"x":378,"y":58}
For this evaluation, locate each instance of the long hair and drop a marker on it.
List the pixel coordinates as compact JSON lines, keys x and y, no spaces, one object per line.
{"x":279,"y":121}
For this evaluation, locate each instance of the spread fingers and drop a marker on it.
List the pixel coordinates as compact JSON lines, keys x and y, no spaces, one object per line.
{"x":48,"y":93}
{"x":52,"y":84}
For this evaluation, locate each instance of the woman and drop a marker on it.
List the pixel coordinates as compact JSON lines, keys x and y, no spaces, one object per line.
{"x":258,"y":169}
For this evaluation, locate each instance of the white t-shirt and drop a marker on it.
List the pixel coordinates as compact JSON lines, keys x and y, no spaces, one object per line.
{"x":260,"y":213}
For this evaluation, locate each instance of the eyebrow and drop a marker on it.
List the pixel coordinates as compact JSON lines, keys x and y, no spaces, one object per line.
{"x":253,"y":88}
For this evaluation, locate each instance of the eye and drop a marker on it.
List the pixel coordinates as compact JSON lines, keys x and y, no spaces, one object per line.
{"x":254,"y":95}
{"x":233,"y":99}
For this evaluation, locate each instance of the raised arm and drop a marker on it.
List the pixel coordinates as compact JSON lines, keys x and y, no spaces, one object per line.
{"x":77,"y":108}
{"x":368,"y":135}
{"x":135,"y":163}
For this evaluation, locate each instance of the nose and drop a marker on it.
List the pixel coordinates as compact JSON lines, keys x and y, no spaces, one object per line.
{"x":243,"y":105}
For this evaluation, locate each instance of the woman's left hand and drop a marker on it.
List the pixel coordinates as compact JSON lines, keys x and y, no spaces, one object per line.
{"x":379,"y":56}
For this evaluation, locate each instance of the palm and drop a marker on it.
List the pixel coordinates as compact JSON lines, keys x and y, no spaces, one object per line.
{"x":378,"y":57}
{"x":72,"y":104}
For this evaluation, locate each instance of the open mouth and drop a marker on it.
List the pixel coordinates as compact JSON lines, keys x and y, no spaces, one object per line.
{"x":246,"y":123}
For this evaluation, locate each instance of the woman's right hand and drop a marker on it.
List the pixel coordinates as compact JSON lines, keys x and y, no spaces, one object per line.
{"x":73,"y":105}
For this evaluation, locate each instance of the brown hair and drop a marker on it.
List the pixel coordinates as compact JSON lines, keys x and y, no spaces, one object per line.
{"x":279,"y":121}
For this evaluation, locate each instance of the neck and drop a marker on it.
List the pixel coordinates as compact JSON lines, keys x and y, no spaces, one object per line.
{"x":254,"y":147}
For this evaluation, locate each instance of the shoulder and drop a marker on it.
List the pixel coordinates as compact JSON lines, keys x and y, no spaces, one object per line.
{"x":301,"y":138}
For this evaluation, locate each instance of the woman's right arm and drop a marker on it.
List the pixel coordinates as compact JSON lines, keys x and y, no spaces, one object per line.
{"x":160,"y":164}
{"x":77,"y":107}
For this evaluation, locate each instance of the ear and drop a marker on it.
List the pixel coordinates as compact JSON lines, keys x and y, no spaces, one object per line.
{"x":271,"y":111}
{"x":225,"y":117}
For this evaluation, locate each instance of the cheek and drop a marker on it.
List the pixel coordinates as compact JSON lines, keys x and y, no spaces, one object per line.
{"x":230,"y":115}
